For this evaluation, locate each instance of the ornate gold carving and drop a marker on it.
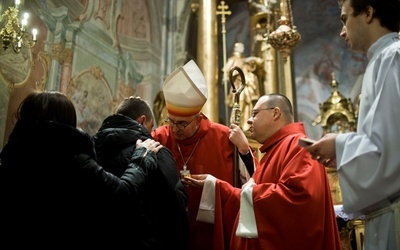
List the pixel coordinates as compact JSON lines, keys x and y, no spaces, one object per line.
{"x":96,"y":72}
{"x":61,"y":54}
{"x":45,"y":60}
{"x":286,"y":36}
{"x":67,"y":56}
{"x":13,"y":34}
{"x":337,"y":113}
{"x":284,"y":39}
{"x":56,"y":51}
{"x":194,"y":7}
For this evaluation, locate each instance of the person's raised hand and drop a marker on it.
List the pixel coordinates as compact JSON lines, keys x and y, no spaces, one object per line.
{"x":238,"y":138}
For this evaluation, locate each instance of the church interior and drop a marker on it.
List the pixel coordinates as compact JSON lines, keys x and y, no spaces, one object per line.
{"x":100,"y":52}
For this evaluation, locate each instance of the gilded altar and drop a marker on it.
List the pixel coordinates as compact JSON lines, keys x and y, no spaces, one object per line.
{"x":339,"y":115}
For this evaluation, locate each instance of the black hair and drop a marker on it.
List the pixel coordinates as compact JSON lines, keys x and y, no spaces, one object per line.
{"x":387,"y":11}
{"x":47,"y":106}
{"x":133,"y":107}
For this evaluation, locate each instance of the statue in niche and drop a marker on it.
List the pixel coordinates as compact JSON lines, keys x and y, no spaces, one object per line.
{"x":263,"y":14}
{"x":250,"y":94}
{"x":236,"y":59}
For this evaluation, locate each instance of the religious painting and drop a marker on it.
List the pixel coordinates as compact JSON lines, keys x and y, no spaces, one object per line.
{"x":92,"y":98}
{"x":15,"y":67}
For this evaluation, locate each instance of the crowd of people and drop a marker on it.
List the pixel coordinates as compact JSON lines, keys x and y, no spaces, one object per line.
{"x":174,"y":186}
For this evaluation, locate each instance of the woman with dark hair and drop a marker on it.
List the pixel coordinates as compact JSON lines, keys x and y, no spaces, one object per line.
{"x":47,"y":106}
{"x":51,"y":187}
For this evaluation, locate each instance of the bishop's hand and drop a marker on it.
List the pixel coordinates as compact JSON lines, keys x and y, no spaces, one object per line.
{"x":196,"y":180}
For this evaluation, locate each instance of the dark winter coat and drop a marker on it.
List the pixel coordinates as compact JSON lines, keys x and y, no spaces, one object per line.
{"x":162,"y":221}
{"x":53,"y":191}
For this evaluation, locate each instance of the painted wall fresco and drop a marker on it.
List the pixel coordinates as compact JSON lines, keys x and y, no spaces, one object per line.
{"x":92,"y":98}
{"x":320,"y":53}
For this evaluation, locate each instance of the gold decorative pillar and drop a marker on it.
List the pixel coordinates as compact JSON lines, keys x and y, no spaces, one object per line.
{"x":270,"y":67}
{"x":274,"y":45}
{"x":284,"y":39}
{"x":262,"y":23}
{"x":207,"y":54}
{"x":286,"y":84}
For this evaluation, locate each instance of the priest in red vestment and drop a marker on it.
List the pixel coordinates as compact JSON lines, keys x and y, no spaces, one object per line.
{"x":197,"y":144}
{"x":287,"y":203}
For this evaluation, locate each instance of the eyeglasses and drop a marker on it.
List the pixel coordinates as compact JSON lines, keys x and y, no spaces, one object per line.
{"x":254,"y":112}
{"x":180,"y":125}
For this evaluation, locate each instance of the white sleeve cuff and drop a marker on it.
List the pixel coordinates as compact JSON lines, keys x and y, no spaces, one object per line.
{"x":247,"y":227}
{"x":206,"y":211}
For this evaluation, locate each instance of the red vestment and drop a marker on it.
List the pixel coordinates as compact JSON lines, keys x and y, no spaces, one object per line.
{"x":291,"y":200}
{"x":212,"y":155}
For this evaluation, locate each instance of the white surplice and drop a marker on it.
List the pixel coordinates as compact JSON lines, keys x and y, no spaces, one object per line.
{"x":369,"y":161}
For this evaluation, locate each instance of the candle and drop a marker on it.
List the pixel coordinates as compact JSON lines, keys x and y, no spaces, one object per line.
{"x":34,"y":33}
{"x":23,"y":24}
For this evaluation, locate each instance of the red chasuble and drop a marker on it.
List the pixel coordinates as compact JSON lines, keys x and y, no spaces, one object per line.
{"x":291,"y":200}
{"x":212,"y":155}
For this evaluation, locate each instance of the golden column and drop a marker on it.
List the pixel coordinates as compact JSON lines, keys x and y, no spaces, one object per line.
{"x":207,"y":54}
{"x":274,"y":45}
{"x":284,"y":39}
{"x":262,"y":24}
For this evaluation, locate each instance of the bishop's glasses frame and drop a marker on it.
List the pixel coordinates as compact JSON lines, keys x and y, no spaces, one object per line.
{"x":180,"y":125}
{"x":254,"y":112}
